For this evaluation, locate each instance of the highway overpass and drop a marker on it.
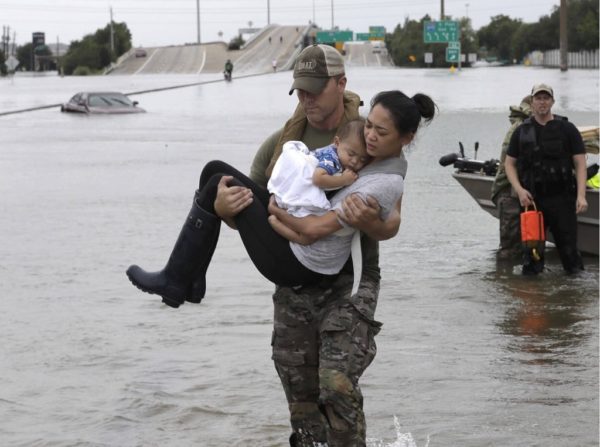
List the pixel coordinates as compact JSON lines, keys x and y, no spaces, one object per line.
{"x":274,"y":42}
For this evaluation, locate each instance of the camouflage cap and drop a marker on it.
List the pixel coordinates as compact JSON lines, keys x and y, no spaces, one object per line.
{"x":537,"y":88}
{"x":314,"y":66}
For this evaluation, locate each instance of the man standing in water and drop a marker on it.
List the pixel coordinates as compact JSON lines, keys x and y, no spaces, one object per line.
{"x":323,"y":338}
{"x":503,"y":196}
{"x":545,"y":162}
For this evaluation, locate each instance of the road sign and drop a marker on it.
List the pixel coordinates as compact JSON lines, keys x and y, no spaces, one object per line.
{"x":452,"y":54}
{"x":362,"y":36}
{"x":377,"y":29}
{"x":455,"y":45}
{"x":441,"y":32}
{"x":12,"y":63}
{"x":334,"y":36}
{"x":429,"y":58}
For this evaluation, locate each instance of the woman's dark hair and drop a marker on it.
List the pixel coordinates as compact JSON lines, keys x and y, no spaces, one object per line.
{"x":406,"y":112}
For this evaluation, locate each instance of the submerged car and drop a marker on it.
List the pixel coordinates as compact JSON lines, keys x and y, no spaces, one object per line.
{"x":101,"y":102}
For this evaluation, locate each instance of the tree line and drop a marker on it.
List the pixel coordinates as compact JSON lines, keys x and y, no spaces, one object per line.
{"x":504,"y":39}
{"x":92,"y":54}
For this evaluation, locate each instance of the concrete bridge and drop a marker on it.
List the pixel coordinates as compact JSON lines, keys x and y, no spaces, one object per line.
{"x":274,"y":42}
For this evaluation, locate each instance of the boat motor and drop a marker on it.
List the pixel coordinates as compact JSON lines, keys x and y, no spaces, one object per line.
{"x":472,"y":165}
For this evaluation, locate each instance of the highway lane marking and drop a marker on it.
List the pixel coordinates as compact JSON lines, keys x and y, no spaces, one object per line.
{"x":147,"y":61}
{"x":203,"y":61}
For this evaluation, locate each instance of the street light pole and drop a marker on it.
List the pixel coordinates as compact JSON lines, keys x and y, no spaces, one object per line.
{"x":268,"y":12}
{"x":564,"y":52}
{"x":198,"y":19}
{"x":112,"y":34}
{"x":332,"y":25}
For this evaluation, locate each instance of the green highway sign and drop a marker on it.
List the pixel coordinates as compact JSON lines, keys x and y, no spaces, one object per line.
{"x":441,"y":32}
{"x":362,"y":36}
{"x":377,"y":29}
{"x":452,"y":54}
{"x":334,"y":36}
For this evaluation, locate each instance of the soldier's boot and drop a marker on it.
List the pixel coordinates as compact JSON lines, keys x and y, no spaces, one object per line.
{"x":188,"y":261}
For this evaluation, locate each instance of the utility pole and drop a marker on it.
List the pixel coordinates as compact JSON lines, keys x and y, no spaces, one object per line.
{"x":564,"y":47}
{"x":442,"y":10}
{"x":112,"y":34}
{"x":332,"y":25}
{"x":268,"y":12}
{"x":198,"y":20}
{"x":313,"y":12}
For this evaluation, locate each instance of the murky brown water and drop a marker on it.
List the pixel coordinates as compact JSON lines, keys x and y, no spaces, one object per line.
{"x":471,"y":353}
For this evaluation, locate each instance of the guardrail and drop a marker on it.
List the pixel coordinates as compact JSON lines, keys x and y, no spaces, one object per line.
{"x":551,"y":58}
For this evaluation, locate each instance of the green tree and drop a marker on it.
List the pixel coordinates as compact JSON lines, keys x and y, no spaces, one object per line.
{"x":583,"y":25}
{"x":3,"y":69}
{"x":25,"y":56}
{"x":497,"y":37}
{"x":94,"y":50}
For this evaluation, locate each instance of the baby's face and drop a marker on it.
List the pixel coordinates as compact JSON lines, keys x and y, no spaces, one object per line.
{"x":353,"y":153}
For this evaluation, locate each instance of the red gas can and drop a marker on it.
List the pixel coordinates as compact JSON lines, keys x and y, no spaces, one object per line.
{"x":532,"y":227}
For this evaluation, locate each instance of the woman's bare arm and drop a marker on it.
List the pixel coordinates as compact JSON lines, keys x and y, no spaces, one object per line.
{"x":288,"y":233}
{"x":312,"y":227}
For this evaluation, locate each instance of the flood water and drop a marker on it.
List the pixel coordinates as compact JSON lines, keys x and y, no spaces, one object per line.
{"x":471,"y":353}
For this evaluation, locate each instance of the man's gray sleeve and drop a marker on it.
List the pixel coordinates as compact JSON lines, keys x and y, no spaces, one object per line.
{"x":262,"y":158}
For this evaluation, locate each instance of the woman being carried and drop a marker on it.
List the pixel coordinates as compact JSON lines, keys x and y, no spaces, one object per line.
{"x":392,"y":123}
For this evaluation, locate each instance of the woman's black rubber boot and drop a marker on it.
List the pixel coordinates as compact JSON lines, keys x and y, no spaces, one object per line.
{"x":190,"y":256}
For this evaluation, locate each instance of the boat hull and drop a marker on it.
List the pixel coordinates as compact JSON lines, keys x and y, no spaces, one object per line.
{"x":479,"y":186}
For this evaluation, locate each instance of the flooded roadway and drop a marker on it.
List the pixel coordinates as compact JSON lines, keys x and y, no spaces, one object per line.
{"x":470,"y":354}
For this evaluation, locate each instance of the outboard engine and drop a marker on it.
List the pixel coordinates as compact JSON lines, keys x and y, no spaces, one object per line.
{"x":472,"y":165}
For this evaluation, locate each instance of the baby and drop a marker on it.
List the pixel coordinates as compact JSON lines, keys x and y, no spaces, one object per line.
{"x":301,"y":177}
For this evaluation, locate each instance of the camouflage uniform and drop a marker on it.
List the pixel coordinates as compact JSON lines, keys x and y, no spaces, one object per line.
{"x":323,"y":340}
{"x":509,"y":208}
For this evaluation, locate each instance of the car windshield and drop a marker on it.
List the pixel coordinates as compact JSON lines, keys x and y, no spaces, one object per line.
{"x":109,"y":100}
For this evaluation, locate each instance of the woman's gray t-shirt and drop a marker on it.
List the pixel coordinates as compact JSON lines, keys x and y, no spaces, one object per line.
{"x":382,"y":180}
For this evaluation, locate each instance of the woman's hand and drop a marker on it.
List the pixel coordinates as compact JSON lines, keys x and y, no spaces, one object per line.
{"x":365,"y":217}
{"x":359,"y":214}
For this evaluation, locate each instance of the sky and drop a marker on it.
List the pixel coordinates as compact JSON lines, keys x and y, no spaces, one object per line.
{"x":174,"y":22}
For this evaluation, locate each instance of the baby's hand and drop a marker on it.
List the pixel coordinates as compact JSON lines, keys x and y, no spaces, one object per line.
{"x":349,"y":177}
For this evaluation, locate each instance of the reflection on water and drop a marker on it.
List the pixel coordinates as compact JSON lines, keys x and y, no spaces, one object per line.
{"x":542,"y":316}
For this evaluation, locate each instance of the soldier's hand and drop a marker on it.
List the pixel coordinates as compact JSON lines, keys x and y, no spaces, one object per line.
{"x":581,"y":205}
{"x":525,"y":198}
{"x":230,"y":200}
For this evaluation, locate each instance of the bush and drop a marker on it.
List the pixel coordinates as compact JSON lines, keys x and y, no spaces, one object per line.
{"x":236,"y":43}
{"x":82,"y":71}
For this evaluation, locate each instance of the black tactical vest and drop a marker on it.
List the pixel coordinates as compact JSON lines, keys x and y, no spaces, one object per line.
{"x":546,"y":165}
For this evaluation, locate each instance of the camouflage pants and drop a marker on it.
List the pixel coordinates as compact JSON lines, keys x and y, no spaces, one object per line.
{"x":509,"y":212}
{"x":322,"y":344}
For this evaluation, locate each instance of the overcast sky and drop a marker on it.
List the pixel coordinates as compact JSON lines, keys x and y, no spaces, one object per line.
{"x":168,"y":22}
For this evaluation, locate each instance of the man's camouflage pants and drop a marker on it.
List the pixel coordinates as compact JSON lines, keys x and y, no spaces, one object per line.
{"x":322,"y":344}
{"x":509,"y":212}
